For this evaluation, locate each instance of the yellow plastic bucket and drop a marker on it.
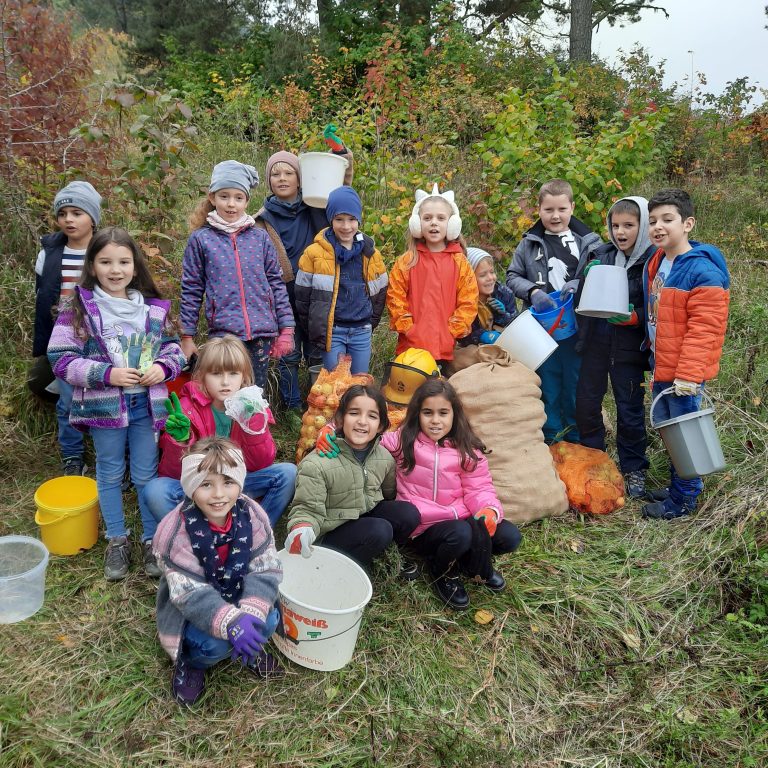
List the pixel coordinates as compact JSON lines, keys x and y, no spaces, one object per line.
{"x":68,"y":514}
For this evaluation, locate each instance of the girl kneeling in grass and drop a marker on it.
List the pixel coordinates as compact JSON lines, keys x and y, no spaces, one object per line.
{"x":218,"y":592}
{"x":348,"y":504}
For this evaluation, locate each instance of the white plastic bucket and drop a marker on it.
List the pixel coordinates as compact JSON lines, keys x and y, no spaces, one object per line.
{"x":23,"y":561}
{"x":691,"y":440}
{"x":605,"y":292}
{"x":321,"y":173}
{"x":526,"y":341}
{"x":322,"y":598}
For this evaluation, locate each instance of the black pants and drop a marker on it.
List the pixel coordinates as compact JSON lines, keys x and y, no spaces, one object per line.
{"x":447,"y":542}
{"x":367,"y":537}
{"x":628,"y":392}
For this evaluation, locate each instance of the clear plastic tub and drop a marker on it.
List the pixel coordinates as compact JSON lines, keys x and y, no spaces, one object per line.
{"x":23,"y":561}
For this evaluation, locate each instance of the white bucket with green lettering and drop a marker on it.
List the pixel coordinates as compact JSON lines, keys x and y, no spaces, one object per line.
{"x":322,"y":598}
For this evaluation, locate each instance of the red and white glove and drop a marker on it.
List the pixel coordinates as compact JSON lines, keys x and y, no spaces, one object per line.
{"x":283,"y":344}
{"x":489,"y":518}
{"x":299,"y":540}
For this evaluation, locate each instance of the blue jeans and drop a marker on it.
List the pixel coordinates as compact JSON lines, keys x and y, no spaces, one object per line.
{"x":109,"y":445}
{"x":682,"y":493}
{"x":559,"y":376}
{"x":288,"y":368}
{"x":350,"y":341}
{"x":70,"y":439}
{"x":272,"y":486}
{"x":201,"y":650}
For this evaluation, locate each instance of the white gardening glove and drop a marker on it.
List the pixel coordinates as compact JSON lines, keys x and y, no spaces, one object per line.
{"x":685,"y":388}
{"x":299,"y":540}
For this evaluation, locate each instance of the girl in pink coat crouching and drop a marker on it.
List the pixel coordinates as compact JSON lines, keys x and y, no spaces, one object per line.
{"x":442,"y":470}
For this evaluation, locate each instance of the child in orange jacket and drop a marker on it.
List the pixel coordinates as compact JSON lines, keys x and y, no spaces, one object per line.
{"x":432,"y":299}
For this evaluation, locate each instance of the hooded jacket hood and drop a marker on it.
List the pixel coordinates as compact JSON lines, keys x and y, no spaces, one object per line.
{"x":643,"y":241}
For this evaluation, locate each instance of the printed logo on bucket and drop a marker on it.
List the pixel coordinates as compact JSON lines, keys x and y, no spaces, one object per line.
{"x":292,"y":631}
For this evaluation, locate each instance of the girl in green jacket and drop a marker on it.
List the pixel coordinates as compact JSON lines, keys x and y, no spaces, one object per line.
{"x":349,"y":505}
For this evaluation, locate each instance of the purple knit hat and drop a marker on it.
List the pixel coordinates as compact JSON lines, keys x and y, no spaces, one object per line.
{"x":283,"y":157}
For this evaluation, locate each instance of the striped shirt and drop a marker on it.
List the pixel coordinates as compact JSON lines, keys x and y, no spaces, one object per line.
{"x":71,"y":268}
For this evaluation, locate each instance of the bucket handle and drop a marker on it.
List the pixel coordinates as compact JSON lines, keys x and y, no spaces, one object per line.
{"x":42,"y":522}
{"x":667,"y":391}
{"x":557,"y":322}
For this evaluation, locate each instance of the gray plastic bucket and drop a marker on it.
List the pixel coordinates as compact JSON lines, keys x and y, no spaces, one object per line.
{"x":691,"y":441}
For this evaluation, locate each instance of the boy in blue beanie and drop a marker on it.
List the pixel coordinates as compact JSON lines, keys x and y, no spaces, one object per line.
{"x":341,"y":285}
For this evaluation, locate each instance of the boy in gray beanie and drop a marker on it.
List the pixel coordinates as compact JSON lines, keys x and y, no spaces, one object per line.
{"x":77,"y":208}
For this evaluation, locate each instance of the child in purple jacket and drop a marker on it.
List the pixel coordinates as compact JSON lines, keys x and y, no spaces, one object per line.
{"x":235,"y":266}
{"x":115,"y":344}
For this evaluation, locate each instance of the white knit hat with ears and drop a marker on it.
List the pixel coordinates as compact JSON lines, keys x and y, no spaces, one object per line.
{"x":454,"y":222}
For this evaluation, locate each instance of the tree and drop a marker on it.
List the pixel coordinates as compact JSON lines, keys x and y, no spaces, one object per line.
{"x":586,"y":15}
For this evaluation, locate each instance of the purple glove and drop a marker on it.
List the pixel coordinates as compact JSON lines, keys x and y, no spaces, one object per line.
{"x":247,"y":635}
{"x":542,"y":302}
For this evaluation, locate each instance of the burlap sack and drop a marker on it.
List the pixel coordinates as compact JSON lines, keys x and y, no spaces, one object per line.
{"x":463,"y":357}
{"x":502,"y":401}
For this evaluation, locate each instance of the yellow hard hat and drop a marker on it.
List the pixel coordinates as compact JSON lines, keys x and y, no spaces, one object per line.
{"x":406,"y":373}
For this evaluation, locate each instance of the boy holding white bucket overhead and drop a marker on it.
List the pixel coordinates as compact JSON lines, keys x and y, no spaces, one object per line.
{"x":218,"y":593}
{"x":551,"y":257}
{"x":686,"y":286}
{"x":611,"y":348}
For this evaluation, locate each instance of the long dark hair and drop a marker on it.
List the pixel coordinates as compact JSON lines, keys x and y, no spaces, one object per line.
{"x":461,"y":436}
{"x":142,"y":280}
{"x":364,"y":390}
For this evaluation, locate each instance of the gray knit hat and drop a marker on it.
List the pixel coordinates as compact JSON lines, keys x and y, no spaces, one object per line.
{"x":82,"y":195}
{"x":476,"y":255}
{"x":230,"y":174}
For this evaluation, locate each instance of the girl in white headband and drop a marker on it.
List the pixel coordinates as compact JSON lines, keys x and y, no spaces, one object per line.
{"x":218,"y":592}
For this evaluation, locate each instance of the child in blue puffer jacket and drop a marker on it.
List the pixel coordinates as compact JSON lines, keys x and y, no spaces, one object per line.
{"x":234,"y":265}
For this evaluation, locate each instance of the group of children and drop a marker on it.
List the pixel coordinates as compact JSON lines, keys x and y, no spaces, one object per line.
{"x":287,"y":284}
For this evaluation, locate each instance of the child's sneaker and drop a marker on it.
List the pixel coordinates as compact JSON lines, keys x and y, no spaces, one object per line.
{"x":657,"y":494}
{"x":450,"y":590}
{"x":666,"y":510}
{"x":266,"y":666}
{"x":151,"y":568}
{"x":117,"y":558}
{"x":73,"y":465}
{"x":188,"y":683}
{"x":409,"y":571}
{"x":635,"y":483}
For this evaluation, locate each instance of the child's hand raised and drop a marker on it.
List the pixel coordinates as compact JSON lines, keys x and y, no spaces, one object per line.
{"x":177,"y":425}
{"x":332,"y":139}
{"x":124,"y":377}
{"x":326,"y":445}
{"x":496,"y":306}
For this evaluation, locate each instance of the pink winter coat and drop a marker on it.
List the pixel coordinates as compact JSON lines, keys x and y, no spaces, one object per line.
{"x":438,"y":486}
{"x":258,"y":450}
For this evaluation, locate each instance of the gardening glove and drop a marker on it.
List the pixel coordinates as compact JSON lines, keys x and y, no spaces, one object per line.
{"x":177,"y":424}
{"x":496,"y":306}
{"x":299,"y":540}
{"x":542,"y":302}
{"x":570,"y":287}
{"x":488,"y":337}
{"x":247,"y":635}
{"x":487,"y":516}
{"x":629,"y":319}
{"x":685,"y":388}
{"x":326,"y":444}
{"x":283,"y":344}
{"x":332,"y":140}
{"x":593,"y":263}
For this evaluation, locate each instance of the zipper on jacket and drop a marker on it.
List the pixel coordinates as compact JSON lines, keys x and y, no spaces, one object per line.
{"x":242,"y":287}
{"x":434,"y":474}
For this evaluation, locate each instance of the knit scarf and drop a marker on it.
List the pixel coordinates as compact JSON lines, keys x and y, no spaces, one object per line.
{"x":226,"y":578}
{"x":344,"y":254}
{"x":230,"y":227}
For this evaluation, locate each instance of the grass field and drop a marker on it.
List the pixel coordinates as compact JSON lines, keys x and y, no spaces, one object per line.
{"x":618,"y":642}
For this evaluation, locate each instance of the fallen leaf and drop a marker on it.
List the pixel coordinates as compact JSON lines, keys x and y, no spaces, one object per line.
{"x":756,"y":401}
{"x":577,"y":546}
{"x":685,"y":715}
{"x":631,"y":640}
{"x":535,"y":629}
{"x":66,"y":641}
{"x":483,"y":617}
{"x":331,"y":692}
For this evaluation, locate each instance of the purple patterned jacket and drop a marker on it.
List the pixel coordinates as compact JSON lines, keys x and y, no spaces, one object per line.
{"x":85,"y":363}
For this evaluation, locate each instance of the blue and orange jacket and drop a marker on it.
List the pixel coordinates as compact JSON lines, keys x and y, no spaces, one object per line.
{"x":691,"y":315}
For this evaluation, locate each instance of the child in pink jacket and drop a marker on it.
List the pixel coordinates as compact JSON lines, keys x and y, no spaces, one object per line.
{"x":442,"y":470}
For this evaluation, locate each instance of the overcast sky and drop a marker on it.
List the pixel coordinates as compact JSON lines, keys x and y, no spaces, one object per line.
{"x":728,"y":39}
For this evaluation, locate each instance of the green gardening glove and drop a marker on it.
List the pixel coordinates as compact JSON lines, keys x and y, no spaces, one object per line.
{"x":593,"y":263}
{"x":332,"y":139}
{"x":177,"y":424}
